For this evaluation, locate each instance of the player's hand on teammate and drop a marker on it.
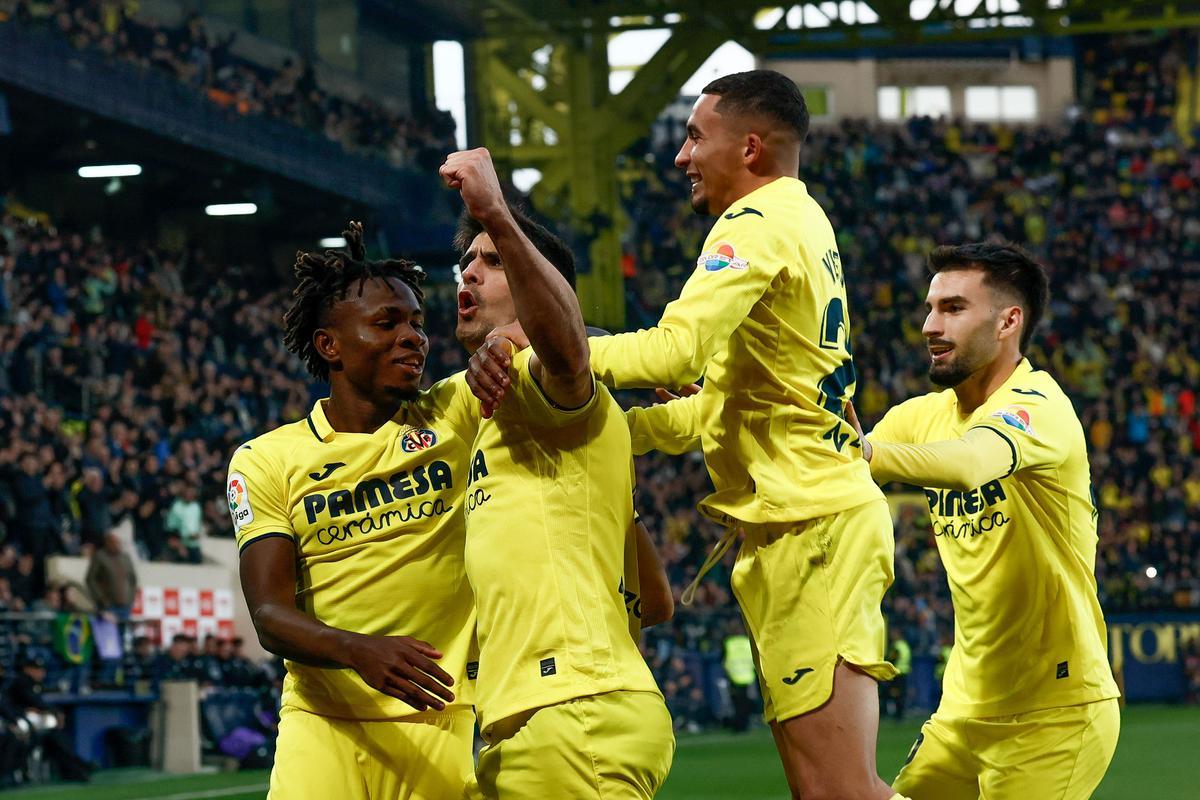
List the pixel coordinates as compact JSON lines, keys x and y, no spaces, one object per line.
{"x":666,"y":395}
{"x":473,"y":174}
{"x":402,"y":667}
{"x":487,"y":371}
{"x":852,"y":418}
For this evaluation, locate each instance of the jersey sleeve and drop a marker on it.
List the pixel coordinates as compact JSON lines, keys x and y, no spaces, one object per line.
{"x":451,"y":399}
{"x":671,"y":428}
{"x":529,"y":399}
{"x":1036,"y":426}
{"x":959,"y":464}
{"x":895,"y":425}
{"x":741,"y":259}
{"x":257,"y":495}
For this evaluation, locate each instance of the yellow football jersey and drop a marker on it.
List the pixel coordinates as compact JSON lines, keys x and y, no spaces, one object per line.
{"x":764,"y":317}
{"x":1020,"y":553}
{"x":379,"y":529}
{"x":549,"y":506}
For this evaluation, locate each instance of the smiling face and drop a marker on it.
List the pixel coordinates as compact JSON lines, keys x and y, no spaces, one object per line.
{"x":712,"y":157}
{"x":376,"y":341}
{"x":484,"y":300}
{"x":965,"y":326}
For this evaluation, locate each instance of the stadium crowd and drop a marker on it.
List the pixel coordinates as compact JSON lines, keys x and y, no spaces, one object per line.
{"x":209,"y":64}
{"x":128,"y":374}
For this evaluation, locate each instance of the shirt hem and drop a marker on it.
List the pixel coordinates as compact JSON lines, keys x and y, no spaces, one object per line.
{"x":986,"y":710}
{"x":724,"y":514}
{"x":487,"y":719}
{"x":373,"y":714}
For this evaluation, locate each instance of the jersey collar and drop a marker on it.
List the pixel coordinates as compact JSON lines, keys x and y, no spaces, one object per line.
{"x":317,"y":423}
{"x":781,"y":182}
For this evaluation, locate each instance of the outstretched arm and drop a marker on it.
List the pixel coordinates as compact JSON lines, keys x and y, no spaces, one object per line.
{"x":979,"y":457}
{"x":546,"y":305}
{"x":726,"y":283}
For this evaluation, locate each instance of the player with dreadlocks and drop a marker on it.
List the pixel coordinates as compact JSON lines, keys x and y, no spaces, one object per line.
{"x":351,"y":531}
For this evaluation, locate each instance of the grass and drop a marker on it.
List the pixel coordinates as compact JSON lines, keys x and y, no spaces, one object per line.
{"x":1157,"y":757}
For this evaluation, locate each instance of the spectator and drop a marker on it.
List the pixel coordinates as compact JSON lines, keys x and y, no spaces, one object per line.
{"x":739,"y":670}
{"x":112,"y":579}
{"x":184,"y":521}
{"x":37,"y":534}
{"x":895,"y":692}
{"x":176,"y":663}
{"x":95,"y":516}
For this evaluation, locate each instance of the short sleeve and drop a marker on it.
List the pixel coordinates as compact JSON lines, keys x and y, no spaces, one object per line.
{"x":896,"y":425}
{"x":1035,"y":425}
{"x":257,"y":495}
{"x":452,"y":400}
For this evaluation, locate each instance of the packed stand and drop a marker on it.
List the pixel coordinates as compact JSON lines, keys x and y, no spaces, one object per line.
{"x":207,"y":63}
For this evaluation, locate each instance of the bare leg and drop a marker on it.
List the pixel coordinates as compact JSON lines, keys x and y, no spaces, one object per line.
{"x":829,"y":753}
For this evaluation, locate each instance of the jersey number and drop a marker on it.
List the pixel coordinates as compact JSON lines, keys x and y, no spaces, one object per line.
{"x":831,"y":389}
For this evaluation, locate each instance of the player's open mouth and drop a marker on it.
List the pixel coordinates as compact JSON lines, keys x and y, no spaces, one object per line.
{"x":694,"y":178}
{"x":939,"y":352}
{"x":467,"y":304}
{"x":413,"y":363}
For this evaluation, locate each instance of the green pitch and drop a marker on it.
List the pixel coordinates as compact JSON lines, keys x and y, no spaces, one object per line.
{"x":1157,"y":757}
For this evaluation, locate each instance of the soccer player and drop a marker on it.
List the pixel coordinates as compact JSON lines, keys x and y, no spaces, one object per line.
{"x":764,"y":318}
{"x":351,"y":529}
{"x":566,"y":704}
{"x":1029,"y":704}
{"x":486,"y":306}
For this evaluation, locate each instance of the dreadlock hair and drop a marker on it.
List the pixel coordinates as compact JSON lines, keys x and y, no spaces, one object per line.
{"x":324,"y":280}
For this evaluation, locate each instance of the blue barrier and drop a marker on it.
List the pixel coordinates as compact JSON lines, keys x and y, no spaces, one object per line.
{"x":1147,"y":653}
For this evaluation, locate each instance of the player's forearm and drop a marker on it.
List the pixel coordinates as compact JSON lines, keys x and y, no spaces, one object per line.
{"x":957,"y":464}
{"x":546,"y":305}
{"x":658,"y":604}
{"x":672,"y":428}
{"x":290,"y":633}
{"x":659,"y":356}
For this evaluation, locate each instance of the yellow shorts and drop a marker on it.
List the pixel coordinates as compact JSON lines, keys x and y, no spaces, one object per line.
{"x":810,"y":593}
{"x":615,"y":745}
{"x":1053,"y":754}
{"x":423,"y":757}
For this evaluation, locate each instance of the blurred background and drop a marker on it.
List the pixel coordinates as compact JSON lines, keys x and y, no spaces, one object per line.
{"x":161,"y":162}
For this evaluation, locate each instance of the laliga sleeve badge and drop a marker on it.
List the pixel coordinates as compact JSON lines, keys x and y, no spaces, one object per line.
{"x":722,"y":256}
{"x":238,"y":495}
{"x":1016,"y":417}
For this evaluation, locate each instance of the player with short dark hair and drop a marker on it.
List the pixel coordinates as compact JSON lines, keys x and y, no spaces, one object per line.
{"x":1029,"y":703}
{"x":486,"y":308}
{"x":351,"y":530}
{"x":765,"y":319}
{"x":566,"y":703}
